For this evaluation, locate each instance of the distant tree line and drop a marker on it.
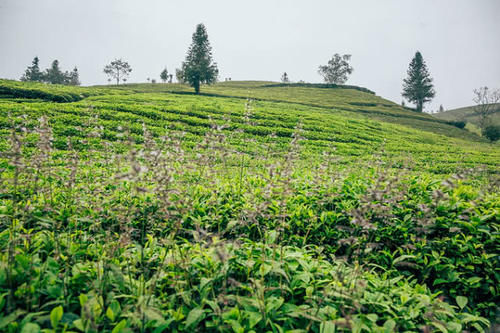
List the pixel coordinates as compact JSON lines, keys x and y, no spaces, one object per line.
{"x":199,"y":68}
{"x":52,"y":75}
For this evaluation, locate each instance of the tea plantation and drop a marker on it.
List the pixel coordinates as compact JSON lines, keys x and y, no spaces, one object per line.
{"x":253,"y":207}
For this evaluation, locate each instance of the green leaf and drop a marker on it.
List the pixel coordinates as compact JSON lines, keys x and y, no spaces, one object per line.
{"x":120,"y":326}
{"x":83,"y":299}
{"x":264,"y":269}
{"x":389,"y":325}
{"x":253,"y":318}
{"x":462,"y":301}
{"x":56,"y":315}
{"x":10,"y":318}
{"x":327,"y":327}
{"x":271,"y":237}
{"x":30,"y":328}
{"x":440,"y":327}
{"x":234,"y":313}
{"x":478,"y":327}
{"x":273,"y":303}
{"x":79,"y":325}
{"x":455,"y":327}
{"x":403,"y":257}
{"x":194,"y":316}
{"x":154,"y":314}
{"x":110,"y":314}
{"x":235,"y":325}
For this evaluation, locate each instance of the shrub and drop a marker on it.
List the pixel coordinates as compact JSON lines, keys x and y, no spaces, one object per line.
{"x":492,"y":132}
{"x":458,"y":123}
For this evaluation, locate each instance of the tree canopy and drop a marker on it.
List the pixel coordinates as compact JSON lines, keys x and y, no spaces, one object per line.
{"x":164,"y":75}
{"x":337,"y":70}
{"x":284,"y":78}
{"x":418,"y":87}
{"x":33,"y":72}
{"x":486,"y":104}
{"x":52,"y":75}
{"x":199,"y":66}
{"x":118,"y":70}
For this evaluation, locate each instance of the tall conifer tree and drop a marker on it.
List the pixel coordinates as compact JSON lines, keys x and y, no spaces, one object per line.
{"x":54,"y":74}
{"x":33,"y":72}
{"x":199,"y":66}
{"x":418,"y":87}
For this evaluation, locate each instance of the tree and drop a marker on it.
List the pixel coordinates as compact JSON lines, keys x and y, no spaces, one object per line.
{"x":73,"y":78}
{"x":337,"y":70}
{"x":118,"y":70}
{"x":284,"y":78}
{"x":164,"y":75}
{"x":199,"y":66}
{"x":486,"y":104}
{"x":492,"y":132}
{"x":54,"y":75}
{"x":33,"y":72}
{"x":418,"y":87}
{"x":179,"y":75}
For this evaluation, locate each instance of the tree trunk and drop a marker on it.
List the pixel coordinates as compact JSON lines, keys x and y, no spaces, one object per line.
{"x":197,"y":87}
{"x":419,"y":106}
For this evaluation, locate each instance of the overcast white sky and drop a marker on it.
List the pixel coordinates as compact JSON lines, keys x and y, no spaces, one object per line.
{"x":260,"y":39}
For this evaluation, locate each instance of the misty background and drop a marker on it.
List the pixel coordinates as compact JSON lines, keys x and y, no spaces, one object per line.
{"x":261,"y":39}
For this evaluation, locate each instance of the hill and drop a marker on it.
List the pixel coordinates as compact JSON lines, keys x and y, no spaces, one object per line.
{"x":251,"y":207}
{"x":467,"y":114}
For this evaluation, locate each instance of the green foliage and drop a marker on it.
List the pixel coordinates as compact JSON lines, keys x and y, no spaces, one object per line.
{"x":418,"y":87}
{"x":161,"y":212}
{"x":199,"y":66}
{"x":320,"y":85}
{"x":52,"y":93}
{"x":337,"y":70}
{"x":492,"y":132}
{"x":52,"y":75}
{"x":468,"y":114}
{"x":33,"y":72}
{"x":118,"y":70}
{"x":164,"y":75}
{"x":458,"y":123}
{"x":284,"y":78}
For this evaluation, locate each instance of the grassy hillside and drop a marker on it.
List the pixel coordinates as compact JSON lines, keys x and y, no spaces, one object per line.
{"x":335,"y":99}
{"x":467,"y":114}
{"x":252,"y":207}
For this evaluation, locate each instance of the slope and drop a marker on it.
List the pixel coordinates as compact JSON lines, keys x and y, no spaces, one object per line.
{"x":467,"y":114}
{"x":147,"y":208}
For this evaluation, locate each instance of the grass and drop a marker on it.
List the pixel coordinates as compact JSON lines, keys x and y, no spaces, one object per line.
{"x":303,"y":208}
{"x":467,"y":114}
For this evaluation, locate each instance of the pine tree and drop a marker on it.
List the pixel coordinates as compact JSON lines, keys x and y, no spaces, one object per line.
{"x":164,"y":75}
{"x":73,"y":78}
{"x":33,"y":72}
{"x":199,"y":66}
{"x":418,"y":87}
{"x":54,"y":75}
{"x":284,"y":78}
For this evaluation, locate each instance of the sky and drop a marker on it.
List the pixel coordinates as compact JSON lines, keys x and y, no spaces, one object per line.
{"x":261,"y":39}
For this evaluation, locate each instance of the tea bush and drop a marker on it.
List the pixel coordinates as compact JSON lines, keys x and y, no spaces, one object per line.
{"x":159,"y":212}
